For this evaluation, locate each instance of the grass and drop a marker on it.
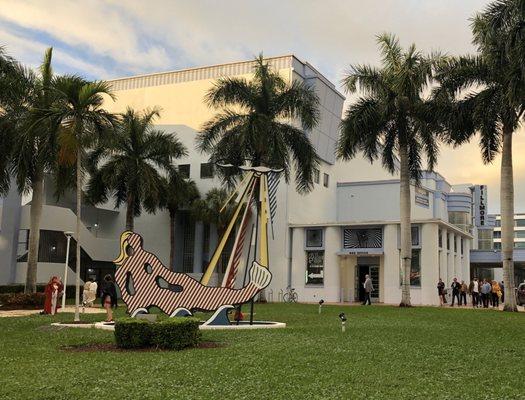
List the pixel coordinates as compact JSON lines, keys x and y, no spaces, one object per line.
{"x":385,"y":353}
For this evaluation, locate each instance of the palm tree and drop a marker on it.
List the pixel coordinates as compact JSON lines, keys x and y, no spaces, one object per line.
{"x":209,"y":211}
{"x":177,"y":193}
{"x":255,"y":124}
{"x":130,"y":164}
{"x":390,"y":120}
{"x":487,"y":93}
{"x":83,"y":122}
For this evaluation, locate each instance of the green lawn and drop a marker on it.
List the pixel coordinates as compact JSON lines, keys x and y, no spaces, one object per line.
{"x":385,"y":353}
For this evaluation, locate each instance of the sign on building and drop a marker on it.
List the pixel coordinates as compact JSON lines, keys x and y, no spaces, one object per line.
{"x":480,"y":205}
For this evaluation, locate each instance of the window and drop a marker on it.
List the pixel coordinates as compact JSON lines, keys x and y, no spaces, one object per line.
{"x":497,"y":245}
{"x":440,"y":238}
{"x":316,"y":175}
{"x":207,"y":170}
{"x":498,"y":222}
{"x":448,"y":241}
{"x":315,"y":267}
{"x":314,"y":238}
{"x":369,"y":238}
{"x":519,"y":245}
{"x":415,"y":235}
{"x":519,"y":234}
{"x":462,"y":249}
{"x":415,"y":269}
{"x":497,"y":234}
{"x":184,"y":170}
{"x":455,"y":245}
{"x":520,"y":222}
{"x":326,"y":179}
{"x":188,"y":243}
{"x":23,"y":242}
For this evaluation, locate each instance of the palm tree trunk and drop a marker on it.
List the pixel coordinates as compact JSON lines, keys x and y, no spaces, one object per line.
{"x":34,"y":234}
{"x":406,"y":234}
{"x":77,"y":232}
{"x":130,"y":212}
{"x":507,"y":220}
{"x":172,"y":239}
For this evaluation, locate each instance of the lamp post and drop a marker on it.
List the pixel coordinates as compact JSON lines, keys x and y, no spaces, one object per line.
{"x":320,"y":305}
{"x":66,"y":267}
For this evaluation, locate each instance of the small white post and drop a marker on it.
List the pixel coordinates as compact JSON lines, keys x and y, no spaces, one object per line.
{"x":66,"y":267}
{"x":343,"y":326}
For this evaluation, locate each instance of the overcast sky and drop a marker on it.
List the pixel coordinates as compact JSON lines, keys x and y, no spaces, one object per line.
{"x":113,"y":38}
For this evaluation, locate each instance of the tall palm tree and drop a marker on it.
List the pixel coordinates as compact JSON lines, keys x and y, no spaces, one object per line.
{"x":487,"y":92}
{"x":390,"y":120}
{"x":177,"y":193}
{"x":255,"y":124}
{"x":130,"y":164}
{"x":83,"y":121}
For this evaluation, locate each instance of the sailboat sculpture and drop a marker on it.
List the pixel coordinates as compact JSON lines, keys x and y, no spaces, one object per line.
{"x":145,"y":282}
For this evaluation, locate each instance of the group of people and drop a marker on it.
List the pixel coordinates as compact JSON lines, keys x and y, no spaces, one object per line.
{"x":54,"y":290}
{"x":482,"y":293}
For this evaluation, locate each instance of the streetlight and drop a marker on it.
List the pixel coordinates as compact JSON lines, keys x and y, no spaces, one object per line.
{"x":342,"y":317}
{"x":66,"y":267}
{"x":320,"y":305}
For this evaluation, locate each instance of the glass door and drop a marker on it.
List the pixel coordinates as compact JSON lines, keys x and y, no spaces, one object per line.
{"x":374,"y":275}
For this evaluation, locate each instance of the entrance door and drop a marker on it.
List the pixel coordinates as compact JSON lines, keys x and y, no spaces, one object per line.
{"x":362,"y":271}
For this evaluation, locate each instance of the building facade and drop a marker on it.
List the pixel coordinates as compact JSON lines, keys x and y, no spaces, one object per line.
{"x":323,"y":243}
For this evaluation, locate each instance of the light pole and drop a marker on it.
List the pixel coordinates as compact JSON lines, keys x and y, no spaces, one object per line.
{"x":66,"y":267}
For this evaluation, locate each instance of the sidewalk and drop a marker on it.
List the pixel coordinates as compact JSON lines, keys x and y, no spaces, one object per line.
{"x":68,"y":309}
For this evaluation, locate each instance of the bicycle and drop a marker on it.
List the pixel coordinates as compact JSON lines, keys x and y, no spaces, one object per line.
{"x":290,"y":296}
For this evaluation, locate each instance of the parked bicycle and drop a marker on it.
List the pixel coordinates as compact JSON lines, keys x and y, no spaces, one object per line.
{"x":290,"y":296}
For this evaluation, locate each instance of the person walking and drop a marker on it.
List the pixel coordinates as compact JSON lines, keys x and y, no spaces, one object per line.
{"x":441,"y":292}
{"x":474,"y":292}
{"x":496,"y":294}
{"x":463,"y":294}
{"x":368,"y":289}
{"x":485,"y":293}
{"x":456,"y":286}
{"x":109,"y":296}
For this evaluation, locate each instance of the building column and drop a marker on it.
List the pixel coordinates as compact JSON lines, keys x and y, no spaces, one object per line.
{"x":197,"y":247}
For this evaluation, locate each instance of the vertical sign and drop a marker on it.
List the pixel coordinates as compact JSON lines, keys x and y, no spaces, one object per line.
{"x":480,"y":205}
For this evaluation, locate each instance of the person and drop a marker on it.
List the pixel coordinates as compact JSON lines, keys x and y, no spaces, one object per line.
{"x":496,"y":294}
{"x":456,"y":286}
{"x":109,"y":296}
{"x":89,"y":294}
{"x":485,"y":293}
{"x":441,"y":292}
{"x":52,"y":292}
{"x":368,"y":289}
{"x":463,"y":294}
{"x":502,"y":288}
{"x":474,"y":292}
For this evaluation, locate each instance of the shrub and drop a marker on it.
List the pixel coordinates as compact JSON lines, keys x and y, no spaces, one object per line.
{"x":170,"y":334}
{"x":131,"y":333}
{"x":18,"y":288}
{"x":21,"y":300}
{"x":176,"y":333}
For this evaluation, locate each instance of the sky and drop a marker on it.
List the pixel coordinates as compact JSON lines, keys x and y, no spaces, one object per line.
{"x":102,"y":39}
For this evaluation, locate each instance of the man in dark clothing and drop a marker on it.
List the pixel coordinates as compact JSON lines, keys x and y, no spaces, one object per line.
{"x":456,"y":286}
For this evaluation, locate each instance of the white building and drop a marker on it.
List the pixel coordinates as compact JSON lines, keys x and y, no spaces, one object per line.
{"x":324,"y":242}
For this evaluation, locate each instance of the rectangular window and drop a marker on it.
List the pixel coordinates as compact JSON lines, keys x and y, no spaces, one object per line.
{"x":415,"y":269}
{"x":326,"y":179}
{"x":440,"y":238}
{"x":316,"y":175}
{"x":315,"y":267}
{"x":207,"y":170}
{"x":519,"y":245}
{"x":415,"y":235}
{"x":188,"y":243}
{"x":23,"y":242}
{"x":520,"y":222}
{"x":462,"y":246}
{"x":314,"y":238}
{"x":497,"y":246}
{"x":184,"y":171}
{"x":498,"y":222}
{"x":497,"y":234}
{"x":455,"y":244}
{"x":448,"y":241}
{"x":518,"y":234}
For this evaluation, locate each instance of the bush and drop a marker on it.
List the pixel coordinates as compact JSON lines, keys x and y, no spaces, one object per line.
{"x":18,"y":288}
{"x":21,"y":300}
{"x":131,"y":333}
{"x":176,"y":333}
{"x":170,"y":334}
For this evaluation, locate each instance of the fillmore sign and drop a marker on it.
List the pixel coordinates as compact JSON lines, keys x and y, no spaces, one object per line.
{"x":480,"y":212}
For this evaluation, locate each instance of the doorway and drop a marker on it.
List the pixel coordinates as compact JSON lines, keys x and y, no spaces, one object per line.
{"x":361,"y":272}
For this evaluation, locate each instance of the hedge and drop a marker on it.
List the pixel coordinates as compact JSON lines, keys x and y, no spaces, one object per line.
{"x":21,"y":300}
{"x":18,"y":288}
{"x":171,"y":334}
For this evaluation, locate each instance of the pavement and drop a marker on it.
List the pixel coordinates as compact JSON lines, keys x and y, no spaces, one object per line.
{"x":68,"y":309}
